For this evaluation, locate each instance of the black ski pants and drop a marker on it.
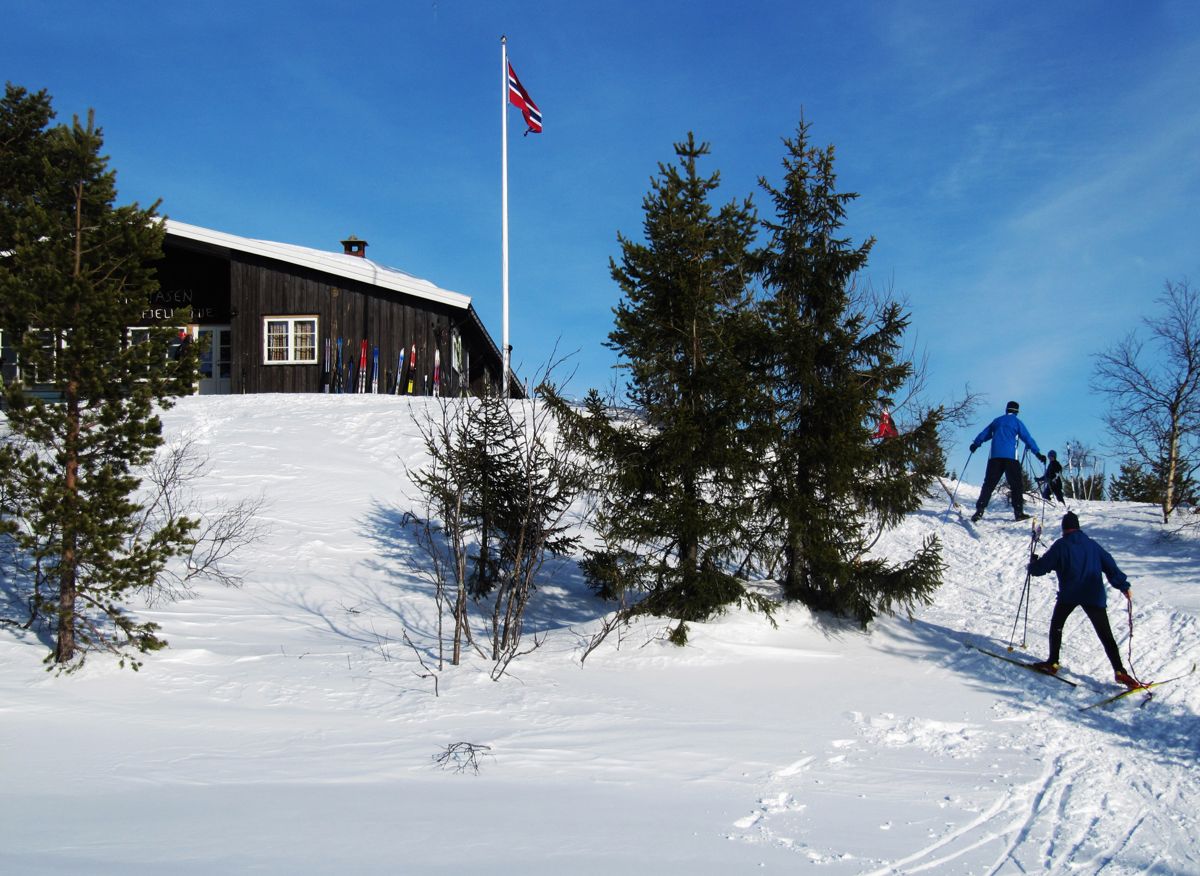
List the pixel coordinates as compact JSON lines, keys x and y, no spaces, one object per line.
{"x":1054,"y":487}
{"x":1011,"y":469}
{"x":1099,"y":618}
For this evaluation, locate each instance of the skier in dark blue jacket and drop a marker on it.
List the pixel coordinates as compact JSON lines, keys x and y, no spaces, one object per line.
{"x":1082,"y":565}
{"x":1003,"y":432}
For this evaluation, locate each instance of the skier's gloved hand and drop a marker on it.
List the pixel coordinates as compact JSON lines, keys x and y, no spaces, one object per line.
{"x":1033,"y":558}
{"x":1042,"y":458}
{"x":974,"y":447}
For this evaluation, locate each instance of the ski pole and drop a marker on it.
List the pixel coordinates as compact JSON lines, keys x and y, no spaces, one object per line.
{"x":1023,"y":602}
{"x":1129,"y":614}
{"x":1042,"y":491}
{"x":958,"y":481}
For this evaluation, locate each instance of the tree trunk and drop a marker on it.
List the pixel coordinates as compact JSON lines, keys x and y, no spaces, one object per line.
{"x":68,"y":563}
{"x":68,"y":568}
{"x":793,"y":550}
{"x":1172,"y":466}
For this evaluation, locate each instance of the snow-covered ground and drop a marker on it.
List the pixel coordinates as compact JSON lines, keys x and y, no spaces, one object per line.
{"x":288,"y":728}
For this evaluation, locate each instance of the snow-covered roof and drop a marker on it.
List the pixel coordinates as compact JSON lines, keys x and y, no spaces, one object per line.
{"x":339,"y":264}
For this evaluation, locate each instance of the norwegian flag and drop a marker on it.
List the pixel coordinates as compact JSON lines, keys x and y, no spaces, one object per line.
{"x":519,"y":97}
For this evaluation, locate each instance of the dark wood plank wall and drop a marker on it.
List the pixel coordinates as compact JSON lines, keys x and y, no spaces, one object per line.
{"x":353,"y":311}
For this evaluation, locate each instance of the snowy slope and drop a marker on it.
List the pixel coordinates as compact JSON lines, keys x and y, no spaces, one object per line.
{"x":288,"y":728}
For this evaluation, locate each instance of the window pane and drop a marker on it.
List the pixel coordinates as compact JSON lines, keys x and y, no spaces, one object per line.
{"x":223,"y":356}
{"x":306,"y":340}
{"x":206,"y":354}
{"x":277,"y":341}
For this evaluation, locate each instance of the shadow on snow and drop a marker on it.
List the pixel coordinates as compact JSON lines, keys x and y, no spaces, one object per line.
{"x":1165,"y":731}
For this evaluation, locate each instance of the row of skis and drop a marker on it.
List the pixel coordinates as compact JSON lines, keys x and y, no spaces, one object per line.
{"x":346,"y":373}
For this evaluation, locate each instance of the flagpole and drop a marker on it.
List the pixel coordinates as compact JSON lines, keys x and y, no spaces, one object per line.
{"x":504,"y":209}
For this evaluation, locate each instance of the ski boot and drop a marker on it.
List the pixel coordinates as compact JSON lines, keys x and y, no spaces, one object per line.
{"x":1047,"y":666}
{"x":1123,"y":677}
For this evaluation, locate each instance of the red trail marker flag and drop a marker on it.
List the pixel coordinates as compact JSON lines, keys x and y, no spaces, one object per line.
{"x":519,"y":97}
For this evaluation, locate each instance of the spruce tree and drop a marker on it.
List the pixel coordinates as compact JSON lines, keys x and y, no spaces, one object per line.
{"x":495,"y":481}
{"x":677,"y":469}
{"x":75,"y":276}
{"x":1140,"y":483}
{"x":1134,"y":485}
{"x":832,"y":360}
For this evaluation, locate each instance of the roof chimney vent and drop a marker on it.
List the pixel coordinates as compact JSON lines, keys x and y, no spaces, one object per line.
{"x":355,"y":247}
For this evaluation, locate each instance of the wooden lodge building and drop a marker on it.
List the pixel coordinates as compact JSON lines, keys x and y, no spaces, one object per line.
{"x":273,"y":316}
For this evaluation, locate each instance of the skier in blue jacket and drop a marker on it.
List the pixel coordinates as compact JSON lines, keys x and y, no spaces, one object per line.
{"x":1003,"y":432}
{"x":1080,"y":563}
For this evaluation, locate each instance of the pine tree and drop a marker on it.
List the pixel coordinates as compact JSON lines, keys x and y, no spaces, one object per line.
{"x":75,"y":277}
{"x":1133,"y":485}
{"x":1138,"y":483}
{"x":495,"y":480}
{"x":24,"y":119}
{"x":494,"y":483}
{"x":676,"y":468}
{"x":833,"y":360}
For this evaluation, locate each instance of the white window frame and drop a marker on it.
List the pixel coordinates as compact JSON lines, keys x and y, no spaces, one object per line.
{"x":292,"y":353}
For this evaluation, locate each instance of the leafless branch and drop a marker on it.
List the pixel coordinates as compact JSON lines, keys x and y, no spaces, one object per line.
{"x":462,"y":756}
{"x":428,"y":672}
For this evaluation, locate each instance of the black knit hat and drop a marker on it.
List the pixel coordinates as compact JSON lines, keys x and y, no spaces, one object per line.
{"x":1070,"y":521}
{"x":1012,"y":407}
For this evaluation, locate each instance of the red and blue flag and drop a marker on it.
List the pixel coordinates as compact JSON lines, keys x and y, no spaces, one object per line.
{"x":519,"y":97}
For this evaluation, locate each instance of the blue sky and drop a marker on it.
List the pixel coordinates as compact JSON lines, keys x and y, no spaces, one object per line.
{"x":1030,"y":170}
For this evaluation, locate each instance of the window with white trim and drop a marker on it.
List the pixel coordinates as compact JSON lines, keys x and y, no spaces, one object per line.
{"x":289,"y":340}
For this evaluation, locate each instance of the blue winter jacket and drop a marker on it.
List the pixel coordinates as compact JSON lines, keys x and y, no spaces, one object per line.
{"x":1003,"y":433}
{"x":1079,"y":562}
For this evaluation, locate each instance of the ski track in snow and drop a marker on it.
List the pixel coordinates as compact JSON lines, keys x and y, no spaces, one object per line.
{"x":1073,"y":817}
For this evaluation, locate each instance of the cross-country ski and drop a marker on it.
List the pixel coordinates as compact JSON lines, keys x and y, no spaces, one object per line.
{"x":1026,"y":664}
{"x":327,"y":367}
{"x":1144,"y":687}
{"x":362,"y":367}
